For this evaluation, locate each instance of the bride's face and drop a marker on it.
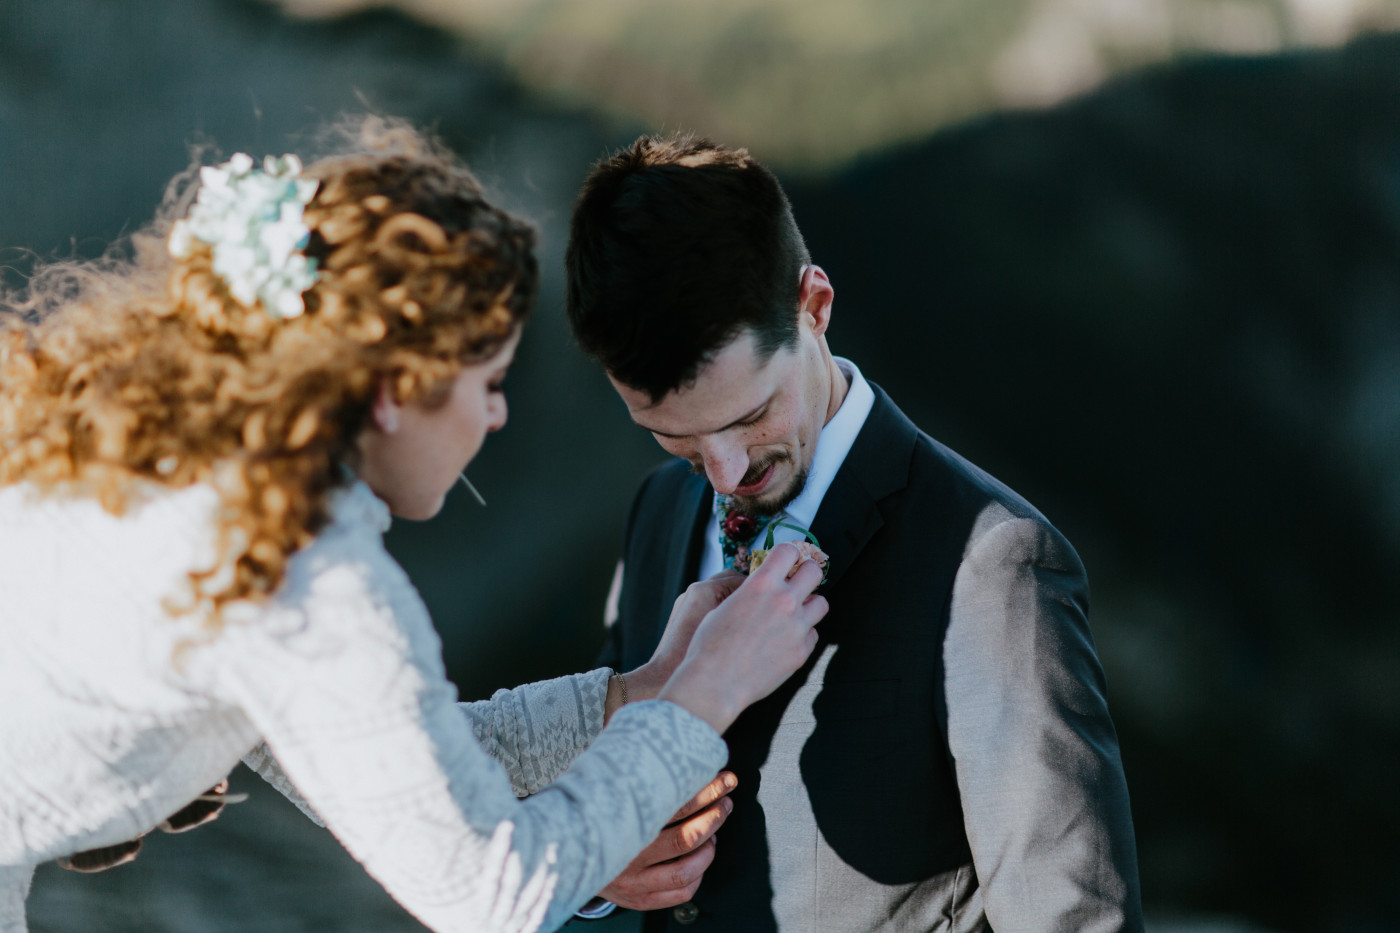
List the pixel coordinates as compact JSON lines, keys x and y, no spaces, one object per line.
{"x":411,"y":454}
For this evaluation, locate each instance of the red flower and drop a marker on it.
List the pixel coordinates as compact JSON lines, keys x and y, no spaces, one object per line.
{"x":739,"y":527}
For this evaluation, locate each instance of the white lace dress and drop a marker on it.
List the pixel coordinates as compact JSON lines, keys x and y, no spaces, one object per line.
{"x":114,"y":714}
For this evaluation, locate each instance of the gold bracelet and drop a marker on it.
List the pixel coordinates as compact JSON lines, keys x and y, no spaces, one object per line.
{"x":622,"y":685}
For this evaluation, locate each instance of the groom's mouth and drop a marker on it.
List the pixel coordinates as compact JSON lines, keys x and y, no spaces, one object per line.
{"x":756,"y":486}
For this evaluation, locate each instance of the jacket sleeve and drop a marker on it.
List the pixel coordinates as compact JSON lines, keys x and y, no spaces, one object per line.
{"x":1034,"y":750}
{"x":615,"y":625}
{"x":611,"y":654}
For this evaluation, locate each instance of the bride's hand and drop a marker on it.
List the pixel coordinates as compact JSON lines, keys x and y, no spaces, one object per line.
{"x":686,"y":614}
{"x":753,"y":640}
{"x":690,"y":609}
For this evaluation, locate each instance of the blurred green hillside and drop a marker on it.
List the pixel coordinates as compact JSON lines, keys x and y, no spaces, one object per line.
{"x":808,"y":84}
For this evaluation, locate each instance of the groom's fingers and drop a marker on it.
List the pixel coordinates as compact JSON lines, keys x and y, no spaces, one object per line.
{"x":665,"y":885}
{"x":669,"y":870}
{"x":723,"y":783}
{"x":680,"y":839}
{"x":688,"y":834}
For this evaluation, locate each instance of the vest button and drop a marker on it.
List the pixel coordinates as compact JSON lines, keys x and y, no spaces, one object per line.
{"x":686,"y":913}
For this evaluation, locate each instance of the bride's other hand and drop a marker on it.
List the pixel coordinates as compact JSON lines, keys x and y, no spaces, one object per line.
{"x":690,"y":608}
{"x":752,"y":641}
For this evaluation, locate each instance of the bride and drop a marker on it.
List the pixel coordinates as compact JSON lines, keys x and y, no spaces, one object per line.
{"x":200,"y":447}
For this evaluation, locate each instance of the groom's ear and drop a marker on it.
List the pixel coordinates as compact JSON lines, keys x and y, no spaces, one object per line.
{"x":384,"y":410}
{"x":814,"y":297}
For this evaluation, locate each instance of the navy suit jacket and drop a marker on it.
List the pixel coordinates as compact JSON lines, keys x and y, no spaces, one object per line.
{"x":945,"y":760}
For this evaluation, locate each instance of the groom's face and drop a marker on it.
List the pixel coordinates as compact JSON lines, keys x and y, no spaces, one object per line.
{"x":750,"y":425}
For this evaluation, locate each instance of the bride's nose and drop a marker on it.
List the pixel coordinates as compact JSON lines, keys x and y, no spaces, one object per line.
{"x":498,"y":413}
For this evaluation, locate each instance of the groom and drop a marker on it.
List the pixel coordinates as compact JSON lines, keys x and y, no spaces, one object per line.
{"x":946,"y":760}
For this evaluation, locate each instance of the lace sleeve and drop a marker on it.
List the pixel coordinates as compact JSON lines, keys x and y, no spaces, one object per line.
{"x":343,"y":676}
{"x":536,"y":731}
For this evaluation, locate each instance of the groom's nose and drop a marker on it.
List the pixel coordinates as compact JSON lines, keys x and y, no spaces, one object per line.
{"x":725,"y":464}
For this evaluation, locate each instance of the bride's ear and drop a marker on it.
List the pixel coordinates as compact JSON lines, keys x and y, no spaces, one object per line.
{"x":384,"y":410}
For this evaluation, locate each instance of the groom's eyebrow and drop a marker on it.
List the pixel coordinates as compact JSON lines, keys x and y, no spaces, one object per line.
{"x":747,"y":416}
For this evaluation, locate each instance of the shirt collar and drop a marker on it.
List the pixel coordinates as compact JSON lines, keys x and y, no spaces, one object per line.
{"x":833,"y":444}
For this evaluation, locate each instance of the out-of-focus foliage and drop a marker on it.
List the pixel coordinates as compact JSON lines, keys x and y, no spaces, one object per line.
{"x":809,"y":83}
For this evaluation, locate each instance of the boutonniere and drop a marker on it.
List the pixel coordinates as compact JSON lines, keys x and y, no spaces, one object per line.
{"x":808,"y":549}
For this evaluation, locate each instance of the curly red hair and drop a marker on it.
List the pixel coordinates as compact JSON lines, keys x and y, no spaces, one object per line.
{"x":131,"y":371}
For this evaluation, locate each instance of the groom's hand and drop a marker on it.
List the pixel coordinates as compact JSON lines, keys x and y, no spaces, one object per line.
{"x":668,"y":871}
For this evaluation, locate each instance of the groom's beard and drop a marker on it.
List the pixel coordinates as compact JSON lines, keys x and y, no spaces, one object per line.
{"x":772,"y":501}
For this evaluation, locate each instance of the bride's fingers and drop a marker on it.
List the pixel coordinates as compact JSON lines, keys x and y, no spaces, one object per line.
{"x":807,"y":575}
{"x":725,"y":583}
{"x":728,"y":576}
{"x":781,"y":559}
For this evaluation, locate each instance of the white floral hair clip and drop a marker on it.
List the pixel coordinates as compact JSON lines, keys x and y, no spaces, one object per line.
{"x":253,"y":221}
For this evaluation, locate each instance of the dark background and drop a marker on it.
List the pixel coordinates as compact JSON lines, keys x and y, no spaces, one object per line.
{"x":1167,"y":311}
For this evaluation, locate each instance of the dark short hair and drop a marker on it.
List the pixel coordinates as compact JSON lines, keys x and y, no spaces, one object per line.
{"x":677,"y":247}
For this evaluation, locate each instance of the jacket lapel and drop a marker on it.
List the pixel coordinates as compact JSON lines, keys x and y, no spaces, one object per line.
{"x":877,"y":465}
